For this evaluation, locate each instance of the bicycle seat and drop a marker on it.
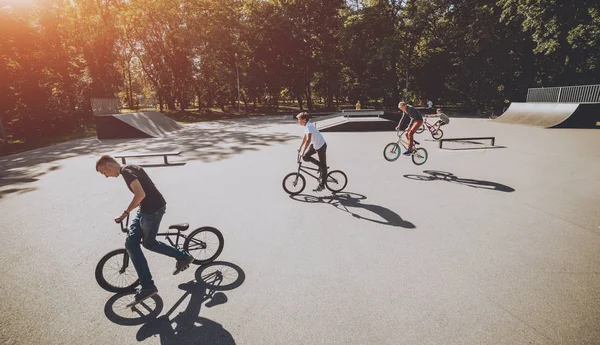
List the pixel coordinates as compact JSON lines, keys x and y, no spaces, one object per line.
{"x":180,"y":226}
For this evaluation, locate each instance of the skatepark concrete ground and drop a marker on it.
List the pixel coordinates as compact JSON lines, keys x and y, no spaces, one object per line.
{"x":477,"y":246}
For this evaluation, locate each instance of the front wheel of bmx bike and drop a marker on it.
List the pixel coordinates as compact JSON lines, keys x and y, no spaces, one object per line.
{"x":336,"y":181}
{"x":115,"y":272}
{"x":419,"y":156}
{"x":391,"y":152}
{"x":437,"y":135}
{"x":294,"y":183}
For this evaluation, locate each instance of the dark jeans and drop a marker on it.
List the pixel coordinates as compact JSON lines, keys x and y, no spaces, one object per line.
{"x":144,"y":228}
{"x":321,"y":163}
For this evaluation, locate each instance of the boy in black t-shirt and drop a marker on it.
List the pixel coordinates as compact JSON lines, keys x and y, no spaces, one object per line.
{"x":145,"y":224}
{"x":416,"y":120}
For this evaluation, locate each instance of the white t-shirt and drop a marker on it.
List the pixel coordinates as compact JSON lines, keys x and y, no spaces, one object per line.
{"x":317,"y":139}
{"x":445,"y":119}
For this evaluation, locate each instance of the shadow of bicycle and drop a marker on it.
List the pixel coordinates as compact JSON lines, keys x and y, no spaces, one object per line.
{"x":187,"y":326}
{"x":434,"y":175}
{"x":346,"y":201}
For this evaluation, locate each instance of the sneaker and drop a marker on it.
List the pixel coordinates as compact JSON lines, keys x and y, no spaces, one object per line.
{"x":319,"y":188}
{"x":182,"y":265}
{"x":143,"y":294}
{"x":407,"y":152}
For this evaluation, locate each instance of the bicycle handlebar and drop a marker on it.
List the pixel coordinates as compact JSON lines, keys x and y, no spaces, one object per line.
{"x":126,"y":227}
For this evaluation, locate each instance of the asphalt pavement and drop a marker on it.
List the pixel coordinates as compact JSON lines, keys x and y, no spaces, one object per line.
{"x":480,"y":245}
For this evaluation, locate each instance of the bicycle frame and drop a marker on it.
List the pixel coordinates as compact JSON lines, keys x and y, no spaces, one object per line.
{"x":178,"y":234}
{"x":305,"y":169}
{"x":430,"y":127}
{"x":401,"y":142}
{"x":166,"y":235}
{"x":404,"y":143}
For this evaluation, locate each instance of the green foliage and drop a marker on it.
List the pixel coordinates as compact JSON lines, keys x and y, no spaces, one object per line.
{"x":55,"y":55}
{"x":565,"y":35}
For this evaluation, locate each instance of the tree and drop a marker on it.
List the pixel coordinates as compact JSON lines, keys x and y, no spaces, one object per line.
{"x":565,"y":34}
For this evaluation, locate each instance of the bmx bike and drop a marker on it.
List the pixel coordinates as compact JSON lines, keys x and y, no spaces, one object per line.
{"x":115,"y":271}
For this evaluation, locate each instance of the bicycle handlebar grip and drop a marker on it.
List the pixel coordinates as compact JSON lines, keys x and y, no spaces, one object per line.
{"x":124,"y":228}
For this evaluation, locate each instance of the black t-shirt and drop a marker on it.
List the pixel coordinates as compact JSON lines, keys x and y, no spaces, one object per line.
{"x":153,"y":200}
{"x":413,"y":113}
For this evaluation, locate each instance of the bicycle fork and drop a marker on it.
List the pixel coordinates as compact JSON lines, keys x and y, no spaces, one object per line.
{"x":125,"y":263}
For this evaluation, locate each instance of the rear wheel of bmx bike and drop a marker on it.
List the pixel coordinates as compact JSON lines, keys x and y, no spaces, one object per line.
{"x":205,"y":244}
{"x":294,"y":183}
{"x":419,"y":156}
{"x":336,"y":181}
{"x":421,"y":129}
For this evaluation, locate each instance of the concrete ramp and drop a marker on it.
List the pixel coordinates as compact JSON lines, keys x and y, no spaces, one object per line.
{"x":355,"y":124}
{"x":134,"y":125}
{"x":362,"y":113}
{"x":330,"y":121}
{"x":553,"y":115}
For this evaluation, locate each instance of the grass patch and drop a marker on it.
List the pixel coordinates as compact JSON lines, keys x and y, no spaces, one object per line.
{"x":214,"y":114}
{"x":20,"y":146}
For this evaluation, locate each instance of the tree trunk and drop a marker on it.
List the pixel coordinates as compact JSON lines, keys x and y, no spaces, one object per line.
{"x":210,"y":98}
{"x":3,"y":132}
{"x":182,"y":103}
{"x":245,"y":100}
{"x":299,"y":98}
{"x":309,"y":103}
{"x":395,"y":91}
{"x":129,"y":87}
{"x":329,"y":96}
{"x":411,"y":48}
{"x":160,"y":102}
{"x":73,"y":113}
{"x":170,"y":102}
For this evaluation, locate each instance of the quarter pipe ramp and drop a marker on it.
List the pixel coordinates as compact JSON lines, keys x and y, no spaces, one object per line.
{"x":134,"y":125}
{"x":359,"y":121}
{"x":553,"y":115}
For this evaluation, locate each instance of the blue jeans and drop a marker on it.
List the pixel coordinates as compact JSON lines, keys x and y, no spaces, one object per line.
{"x":144,"y":228}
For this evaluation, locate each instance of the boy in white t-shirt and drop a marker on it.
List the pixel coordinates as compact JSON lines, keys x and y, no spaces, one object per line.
{"x":317,"y":143}
{"x":444,"y":119}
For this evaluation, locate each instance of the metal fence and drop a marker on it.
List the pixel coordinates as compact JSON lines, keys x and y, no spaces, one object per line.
{"x":565,"y":94}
